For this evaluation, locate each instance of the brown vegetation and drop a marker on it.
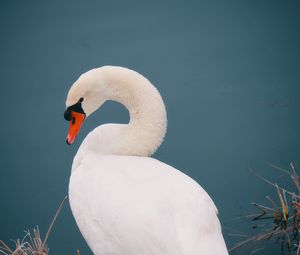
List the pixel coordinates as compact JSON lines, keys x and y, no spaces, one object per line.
{"x":31,"y":244}
{"x":282,"y":217}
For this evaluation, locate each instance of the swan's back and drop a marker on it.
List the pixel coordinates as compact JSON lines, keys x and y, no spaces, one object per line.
{"x":140,"y":206}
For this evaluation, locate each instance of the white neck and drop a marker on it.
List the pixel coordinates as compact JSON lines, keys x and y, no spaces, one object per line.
{"x":148,"y":121}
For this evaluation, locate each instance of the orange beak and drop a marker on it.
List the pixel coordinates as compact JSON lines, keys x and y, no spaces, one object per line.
{"x":76,"y":122}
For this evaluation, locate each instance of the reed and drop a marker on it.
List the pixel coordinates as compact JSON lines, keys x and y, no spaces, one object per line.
{"x":32,"y":243}
{"x":281,"y":218}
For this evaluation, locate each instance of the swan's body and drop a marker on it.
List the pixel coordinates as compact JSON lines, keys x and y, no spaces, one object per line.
{"x":125,"y":202}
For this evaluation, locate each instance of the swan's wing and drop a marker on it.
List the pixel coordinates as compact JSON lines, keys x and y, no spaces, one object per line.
{"x":135,"y":205}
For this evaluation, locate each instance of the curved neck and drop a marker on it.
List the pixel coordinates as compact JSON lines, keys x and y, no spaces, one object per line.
{"x":148,"y":121}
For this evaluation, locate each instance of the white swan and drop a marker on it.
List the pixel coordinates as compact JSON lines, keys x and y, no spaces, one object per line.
{"x":124,"y":201}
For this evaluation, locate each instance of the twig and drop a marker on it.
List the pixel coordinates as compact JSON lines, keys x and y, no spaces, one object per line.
{"x":271,"y":183}
{"x":54,"y":219}
{"x":278,"y":168}
{"x":5,"y":246}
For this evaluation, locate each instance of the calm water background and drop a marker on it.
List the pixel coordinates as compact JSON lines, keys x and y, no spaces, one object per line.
{"x":228,"y":71}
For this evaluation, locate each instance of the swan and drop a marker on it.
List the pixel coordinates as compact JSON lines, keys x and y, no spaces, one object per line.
{"x":124,"y":201}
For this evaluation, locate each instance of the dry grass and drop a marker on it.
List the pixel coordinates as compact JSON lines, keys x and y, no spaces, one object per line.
{"x":31,"y":243}
{"x":281,"y":217}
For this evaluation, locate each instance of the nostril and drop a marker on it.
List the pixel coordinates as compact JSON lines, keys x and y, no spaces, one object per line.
{"x":73,"y":120}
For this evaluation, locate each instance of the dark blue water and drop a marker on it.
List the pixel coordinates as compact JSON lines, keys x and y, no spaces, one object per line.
{"x":228,"y":71}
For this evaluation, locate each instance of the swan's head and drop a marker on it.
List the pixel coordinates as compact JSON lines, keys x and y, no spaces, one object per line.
{"x":85,"y":96}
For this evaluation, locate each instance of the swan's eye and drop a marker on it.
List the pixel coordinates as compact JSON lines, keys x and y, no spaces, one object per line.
{"x":67,"y":114}
{"x":75,"y":108}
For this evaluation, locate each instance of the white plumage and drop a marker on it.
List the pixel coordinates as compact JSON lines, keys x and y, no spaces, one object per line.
{"x":124,"y":201}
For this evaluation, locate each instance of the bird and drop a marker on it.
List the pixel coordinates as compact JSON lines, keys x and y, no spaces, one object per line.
{"x":124,"y":201}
